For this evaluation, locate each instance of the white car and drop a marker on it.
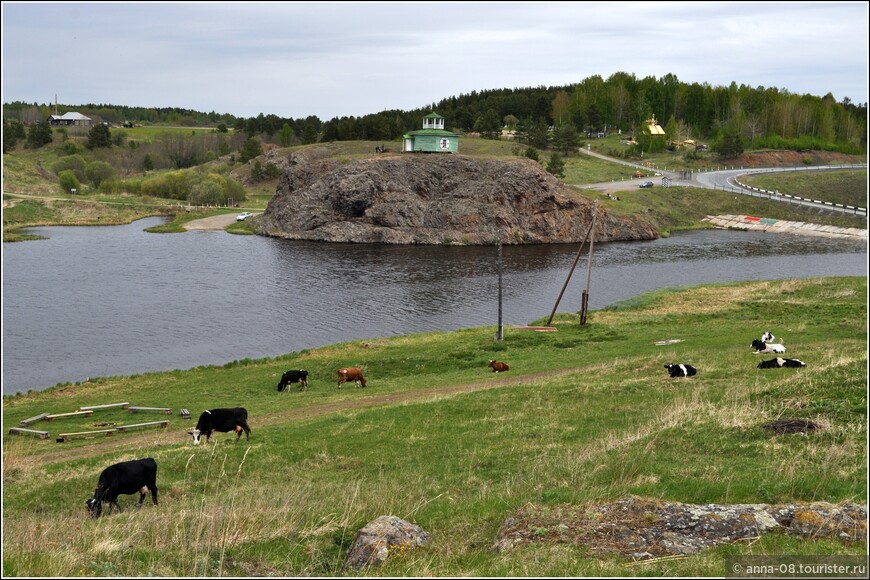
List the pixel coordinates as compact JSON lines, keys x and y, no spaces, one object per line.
{"x":243,"y":216}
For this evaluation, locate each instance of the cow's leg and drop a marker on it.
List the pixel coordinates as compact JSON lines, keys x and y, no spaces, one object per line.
{"x":238,"y":432}
{"x":142,"y":493}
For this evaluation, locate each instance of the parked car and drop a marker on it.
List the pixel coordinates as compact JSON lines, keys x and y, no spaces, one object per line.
{"x":646,"y":184}
{"x":243,"y":216}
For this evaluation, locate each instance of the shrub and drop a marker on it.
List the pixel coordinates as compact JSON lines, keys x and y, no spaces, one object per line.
{"x":73,"y":148}
{"x":99,"y":171}
{"x":68,"y":182}
{"x":74,"y":163}
{"x":532,"y":154}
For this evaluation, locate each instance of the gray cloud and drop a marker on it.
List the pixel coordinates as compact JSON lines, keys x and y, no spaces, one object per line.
{"x":338,"y":59}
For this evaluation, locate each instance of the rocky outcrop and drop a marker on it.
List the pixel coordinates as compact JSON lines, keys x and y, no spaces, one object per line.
{"x":434,"y":199}
{"x":384,"y":537}
{"x":644,"y":528}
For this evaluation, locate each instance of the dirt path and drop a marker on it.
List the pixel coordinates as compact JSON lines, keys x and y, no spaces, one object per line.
{"x":215,"y":222}
{"x":169,"y":437}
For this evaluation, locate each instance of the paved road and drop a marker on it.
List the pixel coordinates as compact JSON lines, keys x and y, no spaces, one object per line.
{"x":728,"y":180}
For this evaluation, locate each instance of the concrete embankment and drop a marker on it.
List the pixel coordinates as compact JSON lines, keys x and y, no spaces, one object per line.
{"x":745,"y":222}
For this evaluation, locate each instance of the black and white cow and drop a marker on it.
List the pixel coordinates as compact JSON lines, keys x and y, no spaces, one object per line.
{"x":777,"y":363}
{"x":681,"y":370}
{"x":223,"y":421}
{"x":290,"y":377}
{"x":767,"y":336}
{"x":766,"y":347}
{"x":127,"y":478}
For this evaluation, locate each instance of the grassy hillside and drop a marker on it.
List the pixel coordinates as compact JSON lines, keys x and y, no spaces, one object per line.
{"x":843,"y":187}
{"x":586,"y":414}
{"x":28,"y":175}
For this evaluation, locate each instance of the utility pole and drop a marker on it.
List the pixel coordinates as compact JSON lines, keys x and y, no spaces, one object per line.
{"x":584,"y":307}
{"x":499,"y":335}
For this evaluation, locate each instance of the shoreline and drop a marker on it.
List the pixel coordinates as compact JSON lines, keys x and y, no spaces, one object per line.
{"x":744,"y":222}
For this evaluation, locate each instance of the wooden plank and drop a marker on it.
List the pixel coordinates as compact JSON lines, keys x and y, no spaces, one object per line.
{"x":64,"y":436}
{"x":164,"y":410}
{"x":73,"y":414}
{"x":26,"y":422}
{"x":20,"y":431}
{"x":109,"y":406}
{"x":125,"y":428}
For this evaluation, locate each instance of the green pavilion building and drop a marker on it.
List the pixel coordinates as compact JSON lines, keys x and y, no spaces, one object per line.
{"x":432,"y":138}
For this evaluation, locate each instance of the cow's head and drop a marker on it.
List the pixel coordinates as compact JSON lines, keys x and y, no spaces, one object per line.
{"x":95,"y":507}
{"x":767,"y":337}
{"x":196,"y":436}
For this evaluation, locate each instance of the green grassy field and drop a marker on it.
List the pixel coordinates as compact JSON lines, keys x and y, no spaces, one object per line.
{"x":586,"y":414}
{"x":843,"y":187}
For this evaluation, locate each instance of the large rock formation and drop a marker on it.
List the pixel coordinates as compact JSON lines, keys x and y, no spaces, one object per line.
{"x":434,"y":199}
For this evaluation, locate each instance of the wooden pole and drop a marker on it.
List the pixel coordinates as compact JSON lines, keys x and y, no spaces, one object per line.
{"x":585,"y":304}
{"x":576,"y":259}
{"x":499,"y":335}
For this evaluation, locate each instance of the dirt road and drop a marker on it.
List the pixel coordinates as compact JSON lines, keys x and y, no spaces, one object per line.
{"x":216,"y":222}
{"x":174,"y":436}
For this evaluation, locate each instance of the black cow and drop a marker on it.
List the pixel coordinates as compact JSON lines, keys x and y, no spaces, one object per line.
{"x":681,"y":370}
{"x":778,"y":362}
{"x":222,"y":420}
{"x":290,"y":377}
{"x":126,"y":477}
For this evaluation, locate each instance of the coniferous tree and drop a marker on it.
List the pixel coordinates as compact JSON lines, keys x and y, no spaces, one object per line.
{"x":38,"y":135}
{"x":99,"y":136}
{"x":556,"y":165}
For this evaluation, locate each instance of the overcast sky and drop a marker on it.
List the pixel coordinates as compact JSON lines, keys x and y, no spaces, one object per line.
{"x":355,"y":58}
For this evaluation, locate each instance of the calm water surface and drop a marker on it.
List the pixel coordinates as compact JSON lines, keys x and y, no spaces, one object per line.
{"x":116,"y":300}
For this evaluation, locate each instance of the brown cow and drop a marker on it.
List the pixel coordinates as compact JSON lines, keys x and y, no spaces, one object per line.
{"x":498,"y":367}
{"x":351,"y":374}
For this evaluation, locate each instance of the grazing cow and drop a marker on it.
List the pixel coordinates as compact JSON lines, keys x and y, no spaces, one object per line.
{"x":681,"y":370}
{"x":222,"y":420}
{"x":767,"y":348}
{"x":290,"y":377}
{"x":351,"y":374}
{"x":498,"y":367}
{"x":777,"y":363}
{"x":126,"y":477}
{"x":767,"y":336}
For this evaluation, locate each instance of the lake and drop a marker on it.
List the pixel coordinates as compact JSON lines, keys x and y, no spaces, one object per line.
{"x":115,"y":300}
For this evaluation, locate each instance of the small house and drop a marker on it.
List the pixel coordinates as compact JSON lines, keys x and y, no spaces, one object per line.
{"x":70,"y":119}
{"x":432,"y":138}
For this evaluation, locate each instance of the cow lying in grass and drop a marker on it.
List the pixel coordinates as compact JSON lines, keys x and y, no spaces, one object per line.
{"x":681,"y":370}
{"x":767,"y":348}
{"x":498,"y":367}
{"x":777,"y":363}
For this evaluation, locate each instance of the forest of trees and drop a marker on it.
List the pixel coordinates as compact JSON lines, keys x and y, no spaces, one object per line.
{"x":757,"y":117}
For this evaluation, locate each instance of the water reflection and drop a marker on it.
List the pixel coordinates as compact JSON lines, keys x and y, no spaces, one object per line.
{"x":98,"y":301}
